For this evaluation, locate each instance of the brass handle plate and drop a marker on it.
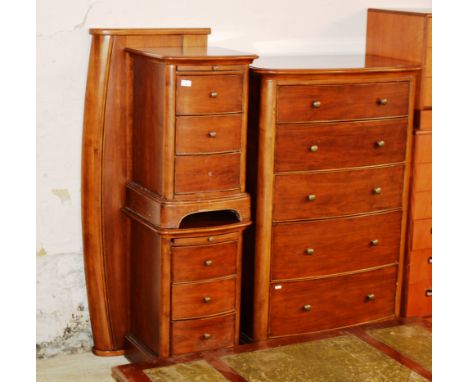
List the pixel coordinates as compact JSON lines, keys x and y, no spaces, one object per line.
{"x":212,"y":134}
{"x":375,"y":242}
{"x":206,"y":299}
{"x":428,"y":293}
{"x":311,"y":197}
{"x":313,"y":148}
{"x":370,"y":297}
{"x":307,"y":308}
{"x":380,"y":143}
{"x":316,"y":104}
{"x":206,"y":336}
{"x":429,"y":260}
{"x":213,"y":94}
{"x":377,"y":190}
{"x":309,"y":251}
{"x":208,"y":263}
{"x":383,"y":101}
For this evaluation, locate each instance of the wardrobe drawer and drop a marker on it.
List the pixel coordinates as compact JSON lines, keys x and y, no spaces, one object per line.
{"x":209,"y":68}
{"x":422,"y":177}
{"x":209,"y":94}
{"x":420,"y":266}
{"x":202,"y":334}
{"x":424,"y":120}
{"x":419,"y":299}
{"x":428,"y":63}
{"x":207,"y":173}
{"x":307,"y":306}
{"x":190,"y":300}
{"x":208,"y":134}
{"x":302,"y":103}
{"x":421,"y":234}
{"x":204,"y":261}
{"x":334,"y":246}
{"x":338,"y":145}
{"x":421,"y":205}
{"x":427,"y":92}
{"x":304,"y":196}
{"x":423,"y":147}
{"x":201,"y":240}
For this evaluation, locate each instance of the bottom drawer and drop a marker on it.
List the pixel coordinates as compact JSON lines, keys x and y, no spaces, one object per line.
{"x":419,"y":299}
{"x":313,"y":305}
{"x":202,"y":334}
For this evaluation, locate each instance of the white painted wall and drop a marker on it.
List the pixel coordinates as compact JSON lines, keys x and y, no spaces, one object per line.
{"x":265,"y":27}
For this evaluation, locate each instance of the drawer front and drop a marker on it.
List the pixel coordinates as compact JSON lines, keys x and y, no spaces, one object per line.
{"x":425,"y":120}
{"x":207,"y":173}
{"x":303,"y":196}
{"x":202,"y":334}
{"x":307,"y":306}
{"x":208,"y":134}
{"x":427,"y":92}
{"x":342,"y":102}
{"x":421,"y":234}
{"x":209,"y":94}
{"x":428,"y":66}
{"x":204,"y":261}
{"x":429,"y":31}
{"x":423,"y":148}
{"x":422,"y":177}
{"x":421,"y":205}
{"x":419,"y":299}
{"x":203,"y":298}
{"x":420,"y":266}
{"x":338,"y":145}
{"x":209,"y":68}
{"x":201,"y":240}
{"x":334,"y":246}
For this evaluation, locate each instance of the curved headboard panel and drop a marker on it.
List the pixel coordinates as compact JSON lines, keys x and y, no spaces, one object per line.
{"x":106,"y":169}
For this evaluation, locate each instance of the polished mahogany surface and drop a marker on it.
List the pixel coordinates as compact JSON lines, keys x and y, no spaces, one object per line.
{"x":330,"y":63}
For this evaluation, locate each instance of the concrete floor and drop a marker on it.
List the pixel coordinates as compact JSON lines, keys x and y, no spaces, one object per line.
{"x":84,"y":367}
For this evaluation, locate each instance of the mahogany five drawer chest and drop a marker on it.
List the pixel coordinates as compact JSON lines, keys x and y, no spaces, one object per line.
{"x":332,"y":137}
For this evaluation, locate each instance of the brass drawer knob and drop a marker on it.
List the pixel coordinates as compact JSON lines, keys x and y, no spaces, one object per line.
{"x":307,"y":308}
{"x":316,"y":104}
{"x":377,"y":190}
{"x":210,"y":238}
{"x":375,"y":242}
{"x":206,"y":336}
{"x":428,"y":293}
{"x":382,"y":101}
{"x":313,"y":148}
{"x":212,"y":134}
{"x":213,"y":94}
{"x":309,"y":251}
{"x":311,"y":197}
{"x":380,"y":143}
{"x":206,"y":299}
{"x":370,"y":297}
{"x":208,"y":263}
{"x":429,"y":260}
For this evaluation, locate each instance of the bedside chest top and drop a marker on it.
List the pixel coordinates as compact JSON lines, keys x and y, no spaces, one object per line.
{"x":192,"y":54}
{"x":329,"y":64}
{"x":409,"y":11}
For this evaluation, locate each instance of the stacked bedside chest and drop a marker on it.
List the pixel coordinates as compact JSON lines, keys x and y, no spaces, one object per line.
{"x":334,"y":143}
{"x":187,"y":200}
{"x":408,"y":34}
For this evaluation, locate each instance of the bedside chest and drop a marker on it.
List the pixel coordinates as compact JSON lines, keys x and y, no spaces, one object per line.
{"x":329,"y":192}
{"x":187,"y":199}
{"x":408,"y":34}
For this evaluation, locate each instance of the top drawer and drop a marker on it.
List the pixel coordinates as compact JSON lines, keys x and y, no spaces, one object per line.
{"x":303,"y":103}
{"x":209,"y":94}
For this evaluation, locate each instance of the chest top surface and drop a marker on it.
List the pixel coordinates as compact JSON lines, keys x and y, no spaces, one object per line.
{"x":329,"y":64}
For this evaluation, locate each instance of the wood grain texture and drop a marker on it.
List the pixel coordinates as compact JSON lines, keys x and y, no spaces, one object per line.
{"x":421,"y":234}
{"x":422,"y":177}
{"x":208,"y":134}
{"x":339,"y":245}
{"x":205,"y":298}
{"x":106,"y":168}
{"x":424,"y":120}
{"x":207,"y":173}
{"x":198,"y":98}
{"x":342,"y":102}
{"x":188,"y":336}
{"x":332,"y":199}
{"x":339,"y":145}
{"x":288,"y":316}
{"x":192,"y":263}
{"x":421,"y":204}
